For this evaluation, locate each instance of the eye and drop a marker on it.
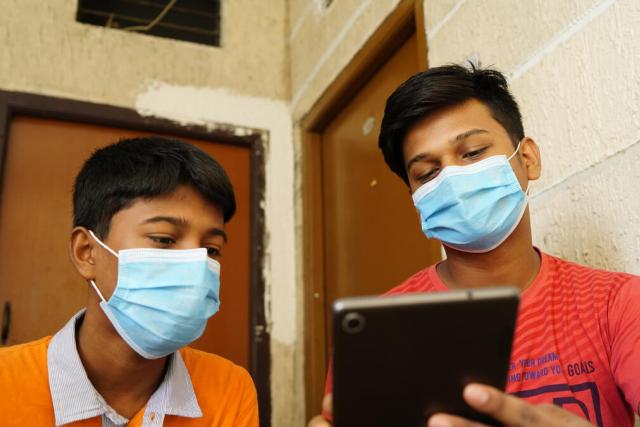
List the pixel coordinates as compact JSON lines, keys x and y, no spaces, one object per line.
{"x":474,"y":154}
{"x":213,"y":252}
{"x":428,"y":176}
{"x":163,"y":240}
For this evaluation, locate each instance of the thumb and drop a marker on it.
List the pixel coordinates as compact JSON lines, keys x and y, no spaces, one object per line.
{"x":327,"y":405}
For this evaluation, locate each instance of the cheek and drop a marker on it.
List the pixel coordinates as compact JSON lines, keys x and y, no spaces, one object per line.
{"x":521,"y":172}
{"x":106,"y":274}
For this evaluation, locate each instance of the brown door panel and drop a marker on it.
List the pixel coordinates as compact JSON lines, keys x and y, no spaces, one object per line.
{"x":372,"y":235}
{"x":41,"y":161}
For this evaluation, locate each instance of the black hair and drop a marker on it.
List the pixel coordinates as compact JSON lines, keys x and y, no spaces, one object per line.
{"x":441,"y":87}
{"x":116,"y":175}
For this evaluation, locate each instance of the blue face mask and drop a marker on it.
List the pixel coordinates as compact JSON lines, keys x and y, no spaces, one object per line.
{"x":163,"y":297}
{"x":472,"y":208}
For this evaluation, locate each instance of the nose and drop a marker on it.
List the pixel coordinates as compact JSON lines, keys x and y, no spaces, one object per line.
{"x":450,"y":159}
{"x":188,"y":242}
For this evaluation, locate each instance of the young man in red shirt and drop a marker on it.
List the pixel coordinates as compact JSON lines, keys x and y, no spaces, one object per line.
{"x":455,"y":136}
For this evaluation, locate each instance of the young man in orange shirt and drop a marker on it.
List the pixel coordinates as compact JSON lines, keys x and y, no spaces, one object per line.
{"x":455,"y":137}
{"x":149,"y":217}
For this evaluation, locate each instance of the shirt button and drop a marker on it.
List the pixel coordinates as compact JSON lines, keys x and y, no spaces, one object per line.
{"x":152,"y":416}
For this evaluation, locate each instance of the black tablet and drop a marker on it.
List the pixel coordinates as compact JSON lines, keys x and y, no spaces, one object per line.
{"x":399,"y":359}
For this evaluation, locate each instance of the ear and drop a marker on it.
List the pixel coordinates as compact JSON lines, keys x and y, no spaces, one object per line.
{"x":530,"y":153}
{"x":82,"y":252}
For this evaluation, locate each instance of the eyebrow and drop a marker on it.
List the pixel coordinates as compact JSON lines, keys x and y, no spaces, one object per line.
{"x":467,"y":134}
{"x":456,"y":140}
{"x":182,"y":223}
{"x":420,"y":157}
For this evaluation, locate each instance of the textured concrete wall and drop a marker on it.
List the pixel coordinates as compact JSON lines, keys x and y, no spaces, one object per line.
{"x":244,"y":83}
{"x":322,"y":41}
{"x":573,"y":67}
{"x":44,"y":49}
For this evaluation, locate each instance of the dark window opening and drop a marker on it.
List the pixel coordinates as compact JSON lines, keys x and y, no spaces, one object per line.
{"x":196,"y":21}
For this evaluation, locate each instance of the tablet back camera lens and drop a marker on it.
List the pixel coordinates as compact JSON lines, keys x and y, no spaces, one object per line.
{"x":353,"y":323}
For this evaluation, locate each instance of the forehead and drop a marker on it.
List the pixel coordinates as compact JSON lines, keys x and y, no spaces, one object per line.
{"x":185,"y":203}
{"x":444,"y":125}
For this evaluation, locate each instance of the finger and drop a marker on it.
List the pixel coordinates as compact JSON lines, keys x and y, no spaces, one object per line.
{"x":443,"y":420}
{"x":318,"y":421}
{"x":501,"y":406}
{"x":327,"y":404}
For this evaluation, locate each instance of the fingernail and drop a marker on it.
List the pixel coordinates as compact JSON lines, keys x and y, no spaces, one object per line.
{"x":439,"y":421}
{"x":476,"y":395}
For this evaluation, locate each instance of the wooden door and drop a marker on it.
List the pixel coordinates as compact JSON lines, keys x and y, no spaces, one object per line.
{"x":37,"y":278}
{"x":372,"y":238}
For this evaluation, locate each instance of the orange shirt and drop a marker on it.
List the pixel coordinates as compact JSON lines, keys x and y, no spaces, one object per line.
{"x":225,"y":392}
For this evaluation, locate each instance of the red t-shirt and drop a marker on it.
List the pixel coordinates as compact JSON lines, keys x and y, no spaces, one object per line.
{"x":577,"y":340}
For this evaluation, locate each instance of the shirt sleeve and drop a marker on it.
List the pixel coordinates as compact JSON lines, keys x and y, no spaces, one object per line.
{"x":624,"y":323}
{"x":248,"y":409}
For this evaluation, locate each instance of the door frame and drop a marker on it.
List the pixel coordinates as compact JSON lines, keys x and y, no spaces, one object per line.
{"x":27,"y":104}
{"x":407,"y":19}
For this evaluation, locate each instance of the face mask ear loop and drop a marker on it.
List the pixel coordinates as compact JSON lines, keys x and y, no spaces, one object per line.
{"x":514,"y":153}
{"x":108,"y":249}
{"x":102,"y":244}
{"x":97,"y":290}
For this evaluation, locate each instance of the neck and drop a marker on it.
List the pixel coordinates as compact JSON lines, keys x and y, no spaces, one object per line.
{"x":514,"y":263}
{"x":123,"y":378}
